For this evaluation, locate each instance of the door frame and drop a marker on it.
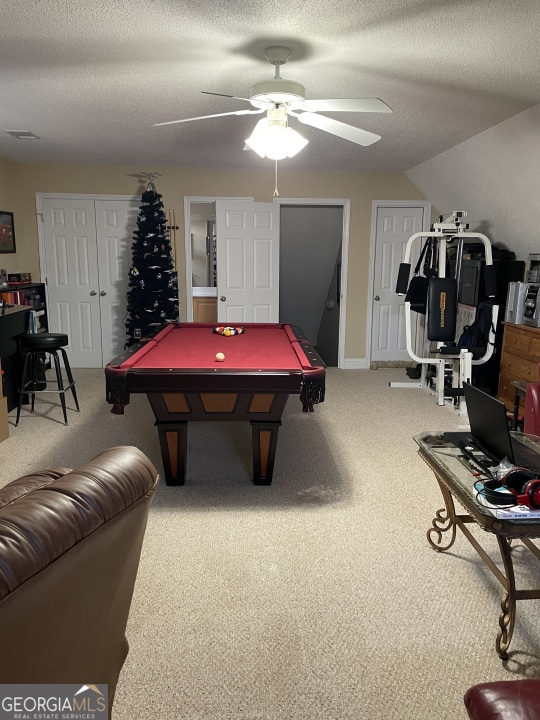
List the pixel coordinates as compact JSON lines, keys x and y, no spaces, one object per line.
{"x":40,"y":196}
{"x":188,"y":199}
{"x":346,"y":208}
{"x":375,"y":205}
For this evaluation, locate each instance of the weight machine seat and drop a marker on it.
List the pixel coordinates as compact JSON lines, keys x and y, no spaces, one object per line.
{"x":454,"y":351}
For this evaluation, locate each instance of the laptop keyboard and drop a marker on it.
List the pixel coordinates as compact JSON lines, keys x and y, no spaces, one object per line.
{"x":525,"y":456}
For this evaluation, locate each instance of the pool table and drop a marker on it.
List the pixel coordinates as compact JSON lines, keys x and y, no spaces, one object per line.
{"x":179,"y":372}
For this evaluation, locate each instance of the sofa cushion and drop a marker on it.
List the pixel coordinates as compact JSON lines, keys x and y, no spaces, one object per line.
{"x":28,"y":483}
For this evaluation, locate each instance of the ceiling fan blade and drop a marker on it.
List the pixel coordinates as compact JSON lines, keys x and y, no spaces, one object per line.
{"x":347,"y":132}
{"x":205,"y":92}
{"x":357,"y":105}
{"x":205,"y":117}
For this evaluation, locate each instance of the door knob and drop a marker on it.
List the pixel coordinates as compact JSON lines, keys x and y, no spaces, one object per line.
{"x":223,"y":298}
{"x":93,"y":293}
{"x":103,"y":292}
{"x":377,"y":297}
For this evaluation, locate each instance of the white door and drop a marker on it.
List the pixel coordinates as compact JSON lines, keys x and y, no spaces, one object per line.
{"x":71,"y":269}
{"x":247,"y":248}
{"x":393,"y":227}
{"x":86,"y":246}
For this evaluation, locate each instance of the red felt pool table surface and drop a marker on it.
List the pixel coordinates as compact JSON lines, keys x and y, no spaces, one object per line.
{"x":184,"y":381}
{"x":193,"y":347}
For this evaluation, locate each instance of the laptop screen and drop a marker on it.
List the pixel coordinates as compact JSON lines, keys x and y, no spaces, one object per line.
{"x":489,"y":425}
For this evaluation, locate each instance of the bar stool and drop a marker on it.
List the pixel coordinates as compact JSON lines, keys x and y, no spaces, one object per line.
{"x":35,"y":346}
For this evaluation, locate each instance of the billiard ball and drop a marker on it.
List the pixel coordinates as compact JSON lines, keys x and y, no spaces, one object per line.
{"x":220,"y":357}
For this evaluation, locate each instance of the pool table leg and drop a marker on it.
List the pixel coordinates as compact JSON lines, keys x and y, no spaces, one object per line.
{"x":265,"y":437}
{"x":173,"y":441}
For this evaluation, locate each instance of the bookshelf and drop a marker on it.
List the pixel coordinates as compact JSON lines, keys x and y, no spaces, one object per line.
{"x":30,"y":295}
{"x":29,"y":304}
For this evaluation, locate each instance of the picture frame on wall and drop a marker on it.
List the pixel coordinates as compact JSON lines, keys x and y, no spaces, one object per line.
{"x":7,"y":233}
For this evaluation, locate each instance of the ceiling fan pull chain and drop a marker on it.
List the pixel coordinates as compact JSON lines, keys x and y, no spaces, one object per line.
{"x":276,"y":193}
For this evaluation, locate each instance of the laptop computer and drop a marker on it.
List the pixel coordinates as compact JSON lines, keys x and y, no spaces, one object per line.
{"x":490,"y":433}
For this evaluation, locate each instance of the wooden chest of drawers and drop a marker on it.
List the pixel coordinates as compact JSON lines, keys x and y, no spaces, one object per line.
{"x":519,"y":360}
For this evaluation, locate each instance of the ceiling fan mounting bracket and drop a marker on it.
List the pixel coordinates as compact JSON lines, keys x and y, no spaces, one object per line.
{"x":278,"y":54}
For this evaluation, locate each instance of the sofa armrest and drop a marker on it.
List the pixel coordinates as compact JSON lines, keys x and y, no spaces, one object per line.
{"x":504,"y":700}
{"x":70,"y":544}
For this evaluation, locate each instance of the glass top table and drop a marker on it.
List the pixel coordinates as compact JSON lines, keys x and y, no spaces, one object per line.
{"x":457,"y":481}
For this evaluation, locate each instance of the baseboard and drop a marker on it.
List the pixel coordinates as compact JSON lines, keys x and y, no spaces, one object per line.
{"x":364,"y":364}
{"x":356,"y":364}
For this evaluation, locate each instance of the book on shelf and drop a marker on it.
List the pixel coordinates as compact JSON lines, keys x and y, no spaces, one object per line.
{"x":13,"y":297}
{"x":20,"y":297}
{"x":34,"y":322}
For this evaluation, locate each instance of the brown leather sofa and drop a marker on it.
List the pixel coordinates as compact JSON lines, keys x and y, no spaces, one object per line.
{"x":70,"y":543}
{"x":504,"y":700}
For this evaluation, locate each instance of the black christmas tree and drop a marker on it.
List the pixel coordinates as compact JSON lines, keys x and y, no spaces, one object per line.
{"x":152,"y":298}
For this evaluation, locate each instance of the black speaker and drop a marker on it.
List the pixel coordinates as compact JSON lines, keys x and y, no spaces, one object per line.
{"x":523,"y":489}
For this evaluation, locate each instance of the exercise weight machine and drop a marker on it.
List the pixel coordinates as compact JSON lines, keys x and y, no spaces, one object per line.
{"x":435,"y":344}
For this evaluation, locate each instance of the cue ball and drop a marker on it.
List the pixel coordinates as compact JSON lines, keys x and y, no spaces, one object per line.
{"x":220,"y":357}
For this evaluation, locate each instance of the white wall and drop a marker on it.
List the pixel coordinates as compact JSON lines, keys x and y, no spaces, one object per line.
{"x":495,"y":177}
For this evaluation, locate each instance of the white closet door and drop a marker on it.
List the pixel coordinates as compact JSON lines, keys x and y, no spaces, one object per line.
{"x":87,"y":255}
{"x":72,"y":277}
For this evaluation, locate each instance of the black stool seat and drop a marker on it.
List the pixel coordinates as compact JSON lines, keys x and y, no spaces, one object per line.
{"x":43,"y":342}
{"x":35,"y":347}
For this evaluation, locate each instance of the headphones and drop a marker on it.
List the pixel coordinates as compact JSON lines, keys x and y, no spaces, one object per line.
{"x":523,"y":489}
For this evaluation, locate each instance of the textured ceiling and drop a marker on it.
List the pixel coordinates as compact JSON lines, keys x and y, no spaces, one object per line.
{"x":91,"y":77}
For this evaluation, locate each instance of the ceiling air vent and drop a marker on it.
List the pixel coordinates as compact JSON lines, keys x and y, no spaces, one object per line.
{"x":22,"y":134}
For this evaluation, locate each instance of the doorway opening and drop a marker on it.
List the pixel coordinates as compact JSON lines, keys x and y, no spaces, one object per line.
{"x":314,"y":240}
{"x":200,"y":254}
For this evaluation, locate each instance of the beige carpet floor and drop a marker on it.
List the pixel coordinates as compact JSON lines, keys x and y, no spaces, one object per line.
{"x":316,"y":598}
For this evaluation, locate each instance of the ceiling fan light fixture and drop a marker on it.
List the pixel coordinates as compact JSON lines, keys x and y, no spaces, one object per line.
{"x":274,"y":139}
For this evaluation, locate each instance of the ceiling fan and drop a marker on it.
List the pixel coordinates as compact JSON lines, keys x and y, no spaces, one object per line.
{"x":288,"y":97}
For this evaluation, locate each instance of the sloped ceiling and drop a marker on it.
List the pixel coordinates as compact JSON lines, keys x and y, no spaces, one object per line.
{"x":494,"y":178}
{"x":91,"y":77}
